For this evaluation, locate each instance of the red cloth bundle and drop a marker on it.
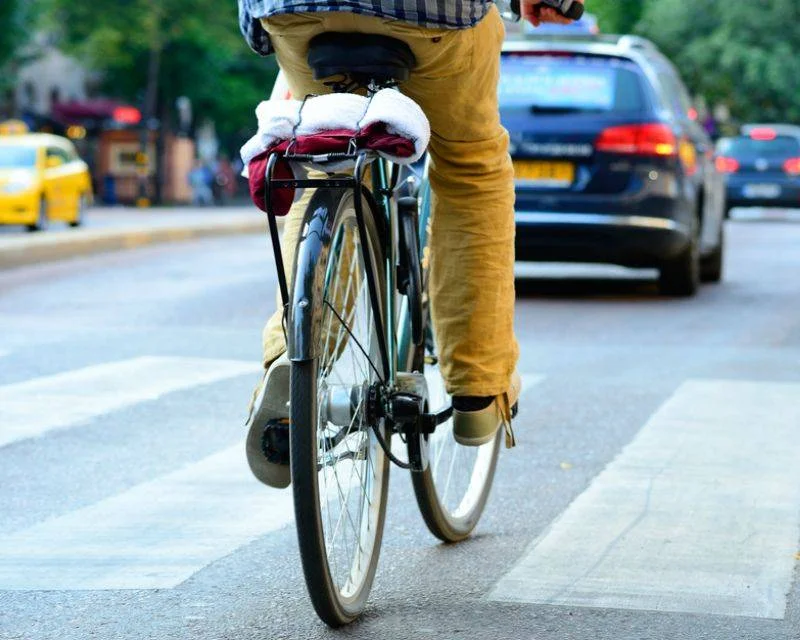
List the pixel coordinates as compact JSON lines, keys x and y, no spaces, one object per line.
{"x":375,"y":137}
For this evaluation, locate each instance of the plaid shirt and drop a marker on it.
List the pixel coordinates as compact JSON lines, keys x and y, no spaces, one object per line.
{"x":447,"y":14}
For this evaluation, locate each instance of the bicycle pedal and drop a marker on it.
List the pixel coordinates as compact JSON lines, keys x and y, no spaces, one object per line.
{"x":275,"y":441}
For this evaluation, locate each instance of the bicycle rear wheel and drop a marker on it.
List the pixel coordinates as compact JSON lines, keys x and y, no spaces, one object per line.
{"x":340,"y":473}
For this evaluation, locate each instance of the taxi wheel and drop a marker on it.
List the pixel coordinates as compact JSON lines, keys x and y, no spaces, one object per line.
{"x":83,"y":203}
{"x":42,"y":219}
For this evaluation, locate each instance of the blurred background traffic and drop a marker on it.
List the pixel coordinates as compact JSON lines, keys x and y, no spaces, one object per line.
{"x":157,"y":97}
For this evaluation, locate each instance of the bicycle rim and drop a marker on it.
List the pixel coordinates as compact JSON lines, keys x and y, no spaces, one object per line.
{"x":339,"y":471}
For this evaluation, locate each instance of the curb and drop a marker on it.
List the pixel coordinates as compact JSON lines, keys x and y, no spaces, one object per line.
{"x":28,"y":251}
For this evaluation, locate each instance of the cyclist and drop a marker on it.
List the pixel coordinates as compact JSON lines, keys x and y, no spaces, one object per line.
{"x":457,"y":47}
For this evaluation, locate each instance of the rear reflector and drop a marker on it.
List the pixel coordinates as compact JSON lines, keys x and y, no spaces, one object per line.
{"x":727,"y":165}
{"x":652,"y":139}
{"x":763,"y":133}
{"x":792,"y":166}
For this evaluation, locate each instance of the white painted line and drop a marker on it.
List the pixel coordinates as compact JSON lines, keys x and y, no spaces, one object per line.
{"x":153,"y":536}
{"x":29,"y":409}
{"x":699,"y":513}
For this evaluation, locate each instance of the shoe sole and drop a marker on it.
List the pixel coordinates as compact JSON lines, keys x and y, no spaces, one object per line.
{"x":476,"y":442}
{"x":274,"y":475}
{"x":479,"y":441}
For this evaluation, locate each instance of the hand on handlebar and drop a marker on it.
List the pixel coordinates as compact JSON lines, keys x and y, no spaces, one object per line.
{"x":536,"y":12}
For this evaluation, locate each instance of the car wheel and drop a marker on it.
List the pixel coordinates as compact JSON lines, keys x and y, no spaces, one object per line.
{"x":42,"y":219}
{"x":680,"y":276}
{"x":711,"y":265}
{"x":83,"y":203}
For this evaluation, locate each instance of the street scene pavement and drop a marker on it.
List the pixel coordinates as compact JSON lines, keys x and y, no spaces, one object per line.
{"x":654,"y":492}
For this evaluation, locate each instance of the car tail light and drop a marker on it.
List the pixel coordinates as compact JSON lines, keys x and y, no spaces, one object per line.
{"x":792,"y":166}
{"x":650,"y":139}
{"x":727,"y":165}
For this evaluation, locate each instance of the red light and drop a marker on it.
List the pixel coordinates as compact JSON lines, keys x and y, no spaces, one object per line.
{"x":638,"y":139}
{"x":127,"y":115}
{"x":792,"y":166}
{"x":726,"y":165}
{"x":763,"y":133}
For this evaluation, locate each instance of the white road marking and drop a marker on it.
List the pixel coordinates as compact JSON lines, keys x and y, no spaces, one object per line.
{"x":154,"y":536}
{"x":699,"y":513}
{"x":31,"y":408}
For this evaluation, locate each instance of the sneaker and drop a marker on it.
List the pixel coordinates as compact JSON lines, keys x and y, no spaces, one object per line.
{"x":474,"y":428}
{"x":267,"y":443}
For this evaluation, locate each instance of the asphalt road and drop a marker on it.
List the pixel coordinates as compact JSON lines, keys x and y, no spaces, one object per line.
{"x":654,"y":494}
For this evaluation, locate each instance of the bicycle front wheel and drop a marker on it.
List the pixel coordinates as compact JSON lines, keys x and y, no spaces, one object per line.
{"x":339,"y":471}
{"x":452,"y":492}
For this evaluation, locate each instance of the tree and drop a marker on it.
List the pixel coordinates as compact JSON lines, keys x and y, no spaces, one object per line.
{"x":616,"y":16}
{"x":173,"y":47}
{"x":739,"y":53}
{"x":15,"y":17}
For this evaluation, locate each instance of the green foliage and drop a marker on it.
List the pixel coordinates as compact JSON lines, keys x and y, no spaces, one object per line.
{"x":738,"y":53}
{"x":616,"y":16}
{"x":202,"y":55}
{"x":15,"y":16}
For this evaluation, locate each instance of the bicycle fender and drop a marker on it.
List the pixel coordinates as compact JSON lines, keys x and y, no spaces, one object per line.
{"x":305,"y":311}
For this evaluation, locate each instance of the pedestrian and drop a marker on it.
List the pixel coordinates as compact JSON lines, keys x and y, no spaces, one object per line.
{"x":457,"y":50}
{"x":224,"y":179}
{"x":200,"y":180}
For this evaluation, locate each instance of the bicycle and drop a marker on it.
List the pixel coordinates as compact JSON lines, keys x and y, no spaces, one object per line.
{"x":363,"y":355}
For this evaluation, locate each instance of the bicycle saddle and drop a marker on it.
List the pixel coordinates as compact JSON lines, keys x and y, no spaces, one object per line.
{"x":360,"y":55}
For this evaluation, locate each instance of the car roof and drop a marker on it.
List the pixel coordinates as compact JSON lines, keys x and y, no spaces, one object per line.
{"x":634,"y":48}
{"x":35,"y":140}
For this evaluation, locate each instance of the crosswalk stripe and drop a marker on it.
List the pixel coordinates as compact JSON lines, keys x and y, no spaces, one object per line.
{"x":153,"y":536}
{"x":33,"y":407}
{"x":697,"y":514}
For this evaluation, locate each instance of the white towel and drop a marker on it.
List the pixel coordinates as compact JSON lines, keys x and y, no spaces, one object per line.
{"x":403,"y":117}
{"x":277,"y":120}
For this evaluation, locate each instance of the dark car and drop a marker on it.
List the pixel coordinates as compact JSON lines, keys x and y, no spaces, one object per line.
{"x":611,"y":165}
{"x":761,"y":167}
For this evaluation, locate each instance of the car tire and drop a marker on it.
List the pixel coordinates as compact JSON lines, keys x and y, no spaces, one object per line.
{"x":680,"y":276}
{"x":42,"y":219}
{"x":83,"y":203}
{"x":711,"y":266}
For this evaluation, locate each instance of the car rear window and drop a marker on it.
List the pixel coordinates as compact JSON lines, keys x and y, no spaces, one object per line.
{"x":745,"y":147}
{"x":564,"y":84}
{"x":17,"y":157}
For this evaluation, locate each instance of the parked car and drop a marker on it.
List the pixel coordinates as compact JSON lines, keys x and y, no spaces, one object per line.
{"x":42,"y":179}
{"x":761,"y":166}
{"x":611,"y":165}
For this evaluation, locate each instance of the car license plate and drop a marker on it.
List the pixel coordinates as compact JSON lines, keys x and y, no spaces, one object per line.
{"x":761,"y":190}
{"x":544,"y":174}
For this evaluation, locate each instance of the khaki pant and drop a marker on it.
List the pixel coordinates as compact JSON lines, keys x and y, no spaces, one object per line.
{"x":472,"y":228}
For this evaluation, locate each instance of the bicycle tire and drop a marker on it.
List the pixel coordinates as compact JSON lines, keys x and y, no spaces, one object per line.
{"x":336,"y":602}
{"x":449,"y":520}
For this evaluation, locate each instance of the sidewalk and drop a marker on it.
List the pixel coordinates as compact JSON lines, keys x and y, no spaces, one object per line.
{"x":113,"y":229}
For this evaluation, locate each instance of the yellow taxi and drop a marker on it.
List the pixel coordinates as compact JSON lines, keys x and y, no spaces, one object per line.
{"x":42,"y":179}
